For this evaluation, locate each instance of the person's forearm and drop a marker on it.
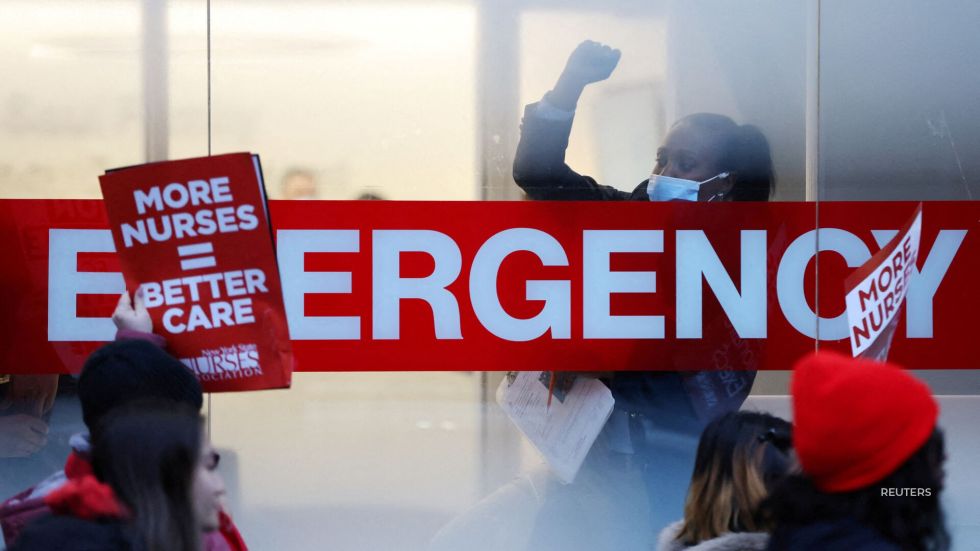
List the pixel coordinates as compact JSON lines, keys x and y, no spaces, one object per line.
{"x":566,"y":92}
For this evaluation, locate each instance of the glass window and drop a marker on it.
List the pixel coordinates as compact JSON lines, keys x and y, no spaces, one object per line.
{"x":430,"y":100}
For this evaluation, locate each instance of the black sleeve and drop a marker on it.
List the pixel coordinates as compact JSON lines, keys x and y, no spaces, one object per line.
{"x":67,"y":533}
{"x":540,"y":169}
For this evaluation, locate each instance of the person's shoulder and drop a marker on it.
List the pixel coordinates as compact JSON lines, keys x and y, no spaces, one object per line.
{"x":732,"y":541}
{"x":69,"y":533}
{"x":35,"y":492}
{"x":640,"y":193}
{"x":667,"y":540}
{"x":20,"y":510}
{"x":735,"y":541}
{"x":837,"y":535}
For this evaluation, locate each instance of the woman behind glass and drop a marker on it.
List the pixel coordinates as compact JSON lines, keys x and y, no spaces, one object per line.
{"x":659,"y":415}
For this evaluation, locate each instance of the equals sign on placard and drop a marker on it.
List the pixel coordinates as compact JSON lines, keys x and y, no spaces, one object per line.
{"x":198,"y":255}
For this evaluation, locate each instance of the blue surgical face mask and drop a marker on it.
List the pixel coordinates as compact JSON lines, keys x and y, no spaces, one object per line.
{"x":668,"y":188}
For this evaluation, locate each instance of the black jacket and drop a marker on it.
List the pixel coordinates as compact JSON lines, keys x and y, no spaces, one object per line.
{"x":68,"y":533}
{"x":845,"y":534}
{"x":540,"y":169}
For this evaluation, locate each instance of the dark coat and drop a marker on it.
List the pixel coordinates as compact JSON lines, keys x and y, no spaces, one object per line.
{"x":540,"y":169}
{"x":845,"y":534}
{"x":68,"y":533}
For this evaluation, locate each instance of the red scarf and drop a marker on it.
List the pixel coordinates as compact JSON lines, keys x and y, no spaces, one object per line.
{"x":86,"y":498}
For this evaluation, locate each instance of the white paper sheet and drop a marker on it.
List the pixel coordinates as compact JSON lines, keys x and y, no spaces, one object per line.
{"x":563,"y":433}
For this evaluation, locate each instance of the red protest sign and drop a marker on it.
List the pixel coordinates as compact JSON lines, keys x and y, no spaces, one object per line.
{"x":194,"y":236}
{"x":876,"y":291}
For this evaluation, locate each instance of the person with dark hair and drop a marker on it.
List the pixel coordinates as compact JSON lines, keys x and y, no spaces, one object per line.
{"x":871,"y":454}
{"x":717,"y":159}
{"x":134,"y":368}
{"x":369,"y":196}
{"x":741,"y":457}
{"x":155,"y":487}
{"x":658,"y":415}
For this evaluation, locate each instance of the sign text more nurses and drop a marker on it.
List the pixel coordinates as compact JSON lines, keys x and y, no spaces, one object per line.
{"x":198,"y":301}
{"x":161,"y":225}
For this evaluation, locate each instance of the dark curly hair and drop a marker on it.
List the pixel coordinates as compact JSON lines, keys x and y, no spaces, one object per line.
{"x":913,"y":523}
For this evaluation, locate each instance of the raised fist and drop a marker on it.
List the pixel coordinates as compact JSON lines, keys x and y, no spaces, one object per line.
{"x":591,"y":62}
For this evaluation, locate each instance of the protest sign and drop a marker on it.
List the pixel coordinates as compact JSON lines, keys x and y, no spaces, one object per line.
{"x":194,"y":237}
{"x":876,"y":291}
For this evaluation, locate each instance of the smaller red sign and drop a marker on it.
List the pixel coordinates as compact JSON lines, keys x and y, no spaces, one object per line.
{"x":194,"y":236}
{"x":876,"y":291}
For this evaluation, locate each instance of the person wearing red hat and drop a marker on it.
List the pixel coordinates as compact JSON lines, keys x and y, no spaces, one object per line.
{"x":871,"y":454}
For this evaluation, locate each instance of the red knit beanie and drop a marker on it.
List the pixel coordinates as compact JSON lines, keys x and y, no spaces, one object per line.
{"x":856,"y":421}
